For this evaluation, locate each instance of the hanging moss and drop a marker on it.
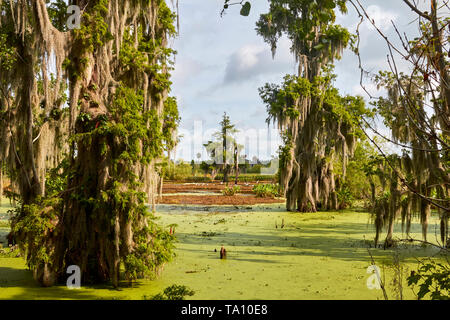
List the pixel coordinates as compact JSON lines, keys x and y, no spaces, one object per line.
{"x":118,"y":122}
{"x":422,"y":167}
{"x":320,"y":126}
{"x":315,"y":139}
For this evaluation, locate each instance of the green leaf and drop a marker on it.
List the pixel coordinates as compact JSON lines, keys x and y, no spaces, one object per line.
{"x":424,"y":289}
{"x":319,"y":47}
{"x":245,"y":11}
{"x":330,"y":4}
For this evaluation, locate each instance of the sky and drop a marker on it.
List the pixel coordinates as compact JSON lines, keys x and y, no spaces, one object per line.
{"x":221,"y":62}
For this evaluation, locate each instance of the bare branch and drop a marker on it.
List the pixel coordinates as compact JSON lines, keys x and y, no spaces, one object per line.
{"x":414,"y":8}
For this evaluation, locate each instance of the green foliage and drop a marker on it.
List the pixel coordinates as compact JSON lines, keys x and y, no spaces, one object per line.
{"x":171,"y":122}
{"x":92,"y":34}
{"x":179,"y":171}
{"x":282,"y":101}
{"x":183,"y":172}
{"x":345,"y":197}
{"x":130,"y":135}
{"x":266,"y":190}
{"x":140,"y":133}
{"x":7,"y":53}
{"x":206,"y":167}
{"x":93,"y":31}
{"x":116,"y":135}
{"x":56,"y":180}
{"x":231,"y":191}
{"x":256,"y":169}
{"x":245,"y":7}
{"x":433,"y":280}
{"x":348,"y":109}
{"x":284,"y":154}
{"x":221,"y":150}
{"x":316,"y":122}
{"x":356,"y":180}
{"x":283,"y":105}
{"x":245,"y":10}
{"x":149,"y":255}
{"x":298,"y":20}
{"x":57,"y":11}
{"x":5,"y":224}
{"x":35,"y":226}
{"x":142,"y":59}
{"x":11,"y":252}
{"x":198,"y":179}
{"x":166,"y":18}
{"x":174,"y":292}
{"x":248,"y":177}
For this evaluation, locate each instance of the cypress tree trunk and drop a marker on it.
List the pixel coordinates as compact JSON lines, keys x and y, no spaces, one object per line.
{"x":444,"y":228}
{"x":1,"y":181}
{"x":118,"y":85}
{"x":316,"y":133}
{"x":236,"y":164}
{"x":393,"y":213}
{"x":29,"y":181}
{"x":226,"y":171}
{"x":107,"y":221}
{"x":425,"y":212}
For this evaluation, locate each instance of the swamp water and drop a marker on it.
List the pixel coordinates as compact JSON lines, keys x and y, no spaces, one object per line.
{"x":314,"y":256}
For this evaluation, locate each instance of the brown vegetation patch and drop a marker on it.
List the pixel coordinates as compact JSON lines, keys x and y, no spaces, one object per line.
{"x":237,"y":200}
{"x":210,"y":187}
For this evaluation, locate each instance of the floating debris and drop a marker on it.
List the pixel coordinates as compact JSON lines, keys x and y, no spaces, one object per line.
{"x":223,"y":253}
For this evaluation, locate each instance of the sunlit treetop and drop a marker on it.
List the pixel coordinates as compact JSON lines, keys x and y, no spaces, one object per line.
{"x":308,"y":24}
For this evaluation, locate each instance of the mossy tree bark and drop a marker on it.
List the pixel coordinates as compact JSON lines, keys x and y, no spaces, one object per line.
{"x":116,"y":67}
{"x":309,"y":111}
{"x":1,"y":181}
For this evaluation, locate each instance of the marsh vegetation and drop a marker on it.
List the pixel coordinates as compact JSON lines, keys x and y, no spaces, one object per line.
{"x":88,"y":127}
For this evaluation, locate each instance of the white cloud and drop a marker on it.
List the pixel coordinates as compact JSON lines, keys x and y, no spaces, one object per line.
{"x":222,"y":62}
{"x":254,"y":60}
{"x":247,"y":63}
{"x":186,"y":69}
{"x":370,"y":87}
{"x":382,"y":18}
{"x":249,"y":56}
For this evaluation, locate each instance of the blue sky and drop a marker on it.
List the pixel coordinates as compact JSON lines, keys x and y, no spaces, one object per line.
{"x":221,"y":63}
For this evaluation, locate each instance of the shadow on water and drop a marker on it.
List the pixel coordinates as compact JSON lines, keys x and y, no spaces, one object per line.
{"x":324,"y":236}
{"x":343,"y":241}
{"x":4,"y":208}
{"x":28,"y":289}
{"x":173,"y":209}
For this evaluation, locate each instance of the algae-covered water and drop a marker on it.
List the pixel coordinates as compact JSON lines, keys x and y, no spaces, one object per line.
{"x":314,"y":256}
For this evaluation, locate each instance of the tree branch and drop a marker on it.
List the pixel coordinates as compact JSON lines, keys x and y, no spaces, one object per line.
{"x":414,"y":8}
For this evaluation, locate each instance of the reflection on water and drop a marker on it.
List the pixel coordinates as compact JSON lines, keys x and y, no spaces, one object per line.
{"x":195,"y":209}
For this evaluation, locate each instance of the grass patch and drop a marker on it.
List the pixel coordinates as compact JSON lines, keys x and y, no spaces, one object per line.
{"x":5,"y":224}
{"x":231,"y":191}
{"x":266,"y":190}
